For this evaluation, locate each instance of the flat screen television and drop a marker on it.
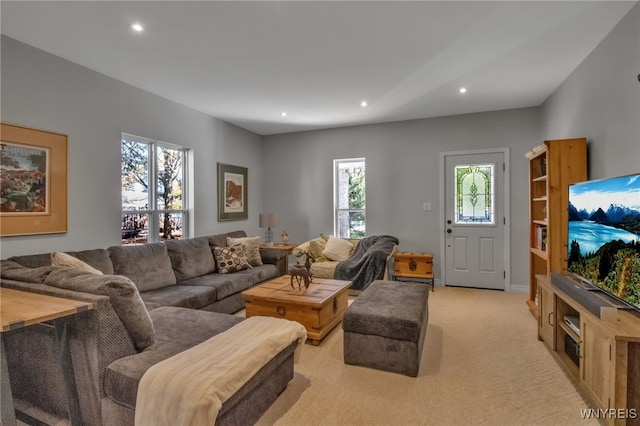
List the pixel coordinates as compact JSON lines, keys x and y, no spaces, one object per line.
{"x":604,"y":236}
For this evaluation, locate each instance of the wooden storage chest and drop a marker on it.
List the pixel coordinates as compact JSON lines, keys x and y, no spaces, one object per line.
{"x":411,"y":265}
{"x":319,"y":308}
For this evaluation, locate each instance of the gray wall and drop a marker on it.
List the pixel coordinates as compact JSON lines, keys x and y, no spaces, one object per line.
{"x":600,"y":100}
{"x":403,"y":172}
{"x":291,"y":174}
{"x":46,"y":92}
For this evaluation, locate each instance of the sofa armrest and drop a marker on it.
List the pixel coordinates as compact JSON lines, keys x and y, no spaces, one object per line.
{"x":276,"y":257}
{"x":390,"y":264}
{"x":97,"y":337}
{"x":271,"y":255}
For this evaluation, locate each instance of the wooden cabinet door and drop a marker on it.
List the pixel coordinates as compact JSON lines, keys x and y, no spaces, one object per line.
{"x":546,"y":315}
{"x":597,"y":362}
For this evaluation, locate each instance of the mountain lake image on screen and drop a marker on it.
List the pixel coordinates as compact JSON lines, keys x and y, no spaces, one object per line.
{"x":604,"y":235}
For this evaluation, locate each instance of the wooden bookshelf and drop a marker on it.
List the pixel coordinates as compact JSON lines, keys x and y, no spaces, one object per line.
{"x":553,"y":165}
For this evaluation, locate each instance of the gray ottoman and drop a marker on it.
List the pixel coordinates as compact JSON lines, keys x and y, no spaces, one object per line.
{"x":384,"y":328}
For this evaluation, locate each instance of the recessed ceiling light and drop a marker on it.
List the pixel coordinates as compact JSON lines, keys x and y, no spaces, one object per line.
{"x":283,"y":113}
{"x":463,"y":90}
{"x":137,"y":27}
{"x":363,"y":104}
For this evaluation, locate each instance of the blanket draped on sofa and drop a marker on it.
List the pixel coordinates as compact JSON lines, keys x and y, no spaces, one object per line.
{"x":368,"y":262}
{"x":190,"y":388}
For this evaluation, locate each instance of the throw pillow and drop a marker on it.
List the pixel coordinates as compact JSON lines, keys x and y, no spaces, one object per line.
{"x":68,"y":261}
{"x":231,"y":259}
{"x":315,"y":250}
{"x":337,"y":249}
{"x":252,"y":246}
{"x":300,"y":252}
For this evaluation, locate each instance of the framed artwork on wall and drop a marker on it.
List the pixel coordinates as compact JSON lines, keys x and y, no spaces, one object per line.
{"x":33,"y":181}
{"x":232,"y":193}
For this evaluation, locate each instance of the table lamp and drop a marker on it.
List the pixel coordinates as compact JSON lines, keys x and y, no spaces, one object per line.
{"x":268,"y":220}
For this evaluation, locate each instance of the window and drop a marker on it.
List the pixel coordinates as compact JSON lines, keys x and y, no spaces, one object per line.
{"x":349,"y":192}
{"x":474,"y":194}
{"x":153,"y":187}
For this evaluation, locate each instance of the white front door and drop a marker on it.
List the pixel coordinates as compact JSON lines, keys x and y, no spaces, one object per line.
{"x":474,"y":214}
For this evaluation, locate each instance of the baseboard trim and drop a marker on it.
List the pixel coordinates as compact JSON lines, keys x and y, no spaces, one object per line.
{"x":518,"y":288}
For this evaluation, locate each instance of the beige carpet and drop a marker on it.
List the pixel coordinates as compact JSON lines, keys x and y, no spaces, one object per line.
{"x":482,"y":365}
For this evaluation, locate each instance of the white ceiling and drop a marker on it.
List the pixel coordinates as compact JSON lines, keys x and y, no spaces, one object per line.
{"x":246,"y":62}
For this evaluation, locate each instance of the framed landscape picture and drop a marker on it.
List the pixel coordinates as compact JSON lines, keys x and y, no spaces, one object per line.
{"x":33,"y":181}
{"x":232,"y":192}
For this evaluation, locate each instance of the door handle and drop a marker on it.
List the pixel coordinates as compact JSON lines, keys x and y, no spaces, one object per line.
{"x":448,"y":231}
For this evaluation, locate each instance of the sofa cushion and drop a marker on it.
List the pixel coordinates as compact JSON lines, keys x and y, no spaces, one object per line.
{"x":182,"y":296}
{"x":324,"y":269}
{"x":337,"y":249}
{"x":224,"y":285}
{"x":123,"y":375}
{"x":68,"y":261}
{"x":252,"y":247}
{"x":190,"y":257}
{"x":33,"y":260}
{"x":231,"y":259}
{"x":262,"y":273}
{"x":147,"y":265}
{"x":220,"y":240}
{"x":97,"y":258}
{"x":11,"y":270}
{"x":123,"y":296}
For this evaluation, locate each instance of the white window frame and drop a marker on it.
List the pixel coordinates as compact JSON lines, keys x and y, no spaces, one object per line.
{"x":336,"y":194}
{"x":153,"y":212}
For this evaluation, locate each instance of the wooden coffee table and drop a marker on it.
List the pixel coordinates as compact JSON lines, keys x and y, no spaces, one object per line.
{"x":319,"y":308}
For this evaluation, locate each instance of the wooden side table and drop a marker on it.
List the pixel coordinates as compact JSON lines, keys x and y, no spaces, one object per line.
{"x":413,"y":267}
{"x":286,"y":249}
{"x":20,"y":309}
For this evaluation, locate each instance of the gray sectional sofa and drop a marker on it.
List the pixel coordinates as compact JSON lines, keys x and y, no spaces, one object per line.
{"x":152,"y":302}
{"x":179,"y":273}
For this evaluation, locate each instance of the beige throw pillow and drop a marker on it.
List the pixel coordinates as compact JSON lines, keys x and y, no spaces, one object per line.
{"x":68,"y":261}
{"x":315,"y":250}
{"x":252,"y":246}
{"x":337,"y":249}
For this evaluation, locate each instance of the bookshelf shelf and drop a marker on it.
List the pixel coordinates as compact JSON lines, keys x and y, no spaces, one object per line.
{"x":542,"y":254}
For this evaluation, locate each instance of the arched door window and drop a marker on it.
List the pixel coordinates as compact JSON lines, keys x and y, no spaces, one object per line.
{"x":474,"y":194}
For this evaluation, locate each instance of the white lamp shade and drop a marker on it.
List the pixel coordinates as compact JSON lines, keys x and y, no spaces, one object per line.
{"x":268,"y":220}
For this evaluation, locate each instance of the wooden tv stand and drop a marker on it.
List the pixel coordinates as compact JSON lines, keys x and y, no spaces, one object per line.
{"x":603,"y":356}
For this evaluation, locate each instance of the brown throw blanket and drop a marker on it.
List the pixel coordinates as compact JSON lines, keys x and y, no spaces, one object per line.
{"x":190,"y":387}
